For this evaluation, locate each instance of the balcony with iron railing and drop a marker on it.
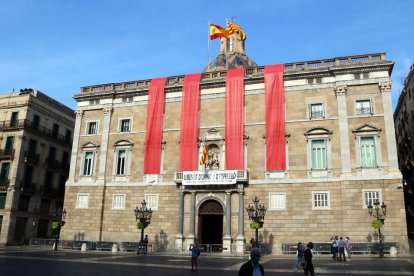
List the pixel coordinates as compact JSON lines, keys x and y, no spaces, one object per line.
{"x":52,"y":164}
{"x":31,"y":158}
{"x":4,"y":184}
{"x":33,"y":126}
{"x":7,"y":154}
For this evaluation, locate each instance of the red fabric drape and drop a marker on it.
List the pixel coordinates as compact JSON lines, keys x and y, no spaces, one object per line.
{"x":275,"y":118}
{"x":189,"y":123}
{"x":234,"y":119}
{"x":153,"y":136}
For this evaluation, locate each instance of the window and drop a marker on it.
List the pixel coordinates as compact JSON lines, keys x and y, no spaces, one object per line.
{"x":52,"y":153}
{"x":92,"y":127}
{"x":318,"y":154}
{"x":118,"y":202}
{"x":14,"y":119}
{"x":55,"y":131}
{"x":23,"y":203}
{"x":152,"y":201}
{"x":316,"y":111}
{"x":8,"y":149}
{"x":120,"y":162}
{"x":2,"y":201}
{"x":82,"y":201}
{"x":368,"y":152}
{"x":36,"y":121}
{"x":4,"y":173}
{"x":320,"y":200}
{"x":68,"y":135}
{"x":363,"y":107}
{"x":88,"y":158}
{"x":370,"y":196}
{"x":125,"y":125}
{"x":45,"y":206}
{"x":277,"y":201}
{"x":127,"y":99}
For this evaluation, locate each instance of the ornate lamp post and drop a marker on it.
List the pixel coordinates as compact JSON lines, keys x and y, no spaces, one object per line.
{"x":379,"y":213}
{"x":143,"y":216}
{"x":58,"y":222}
{"x":256,"y":215}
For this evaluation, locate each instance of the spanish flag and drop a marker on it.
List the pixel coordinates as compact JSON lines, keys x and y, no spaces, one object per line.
{"x":217,"y":31}
{"x":203,"y":158}
{"x":232,"y":28}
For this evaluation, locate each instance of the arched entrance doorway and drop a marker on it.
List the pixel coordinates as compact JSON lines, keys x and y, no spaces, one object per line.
{"x":210,"y":223}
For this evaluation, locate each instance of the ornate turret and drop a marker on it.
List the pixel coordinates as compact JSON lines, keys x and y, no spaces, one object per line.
{"x":232,"y":53}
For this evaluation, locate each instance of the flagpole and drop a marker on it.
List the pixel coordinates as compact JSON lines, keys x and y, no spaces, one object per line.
{"x":227,"y":50}
{"x":208,"y":43}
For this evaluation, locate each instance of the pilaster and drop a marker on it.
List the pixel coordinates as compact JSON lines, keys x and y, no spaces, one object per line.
{"x":179,"y":236}
{"x":75,"y":145}
{"x":385,"y":89}
{"x":227,"y":234}
{"x":341,"y":92}
{"x":240,"y":228}
{"x":107,"y":110}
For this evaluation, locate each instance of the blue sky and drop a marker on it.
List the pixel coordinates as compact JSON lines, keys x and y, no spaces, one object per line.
{"x":57,"y":46}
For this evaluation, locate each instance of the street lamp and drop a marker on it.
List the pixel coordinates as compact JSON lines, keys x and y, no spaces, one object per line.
{"x":59,"y":216}
{"x":143,"y":216}
{"x":256,"y":214}
{"x":379,"y":213}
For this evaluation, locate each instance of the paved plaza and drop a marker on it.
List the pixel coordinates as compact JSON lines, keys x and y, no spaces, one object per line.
{"x":29,"y":261}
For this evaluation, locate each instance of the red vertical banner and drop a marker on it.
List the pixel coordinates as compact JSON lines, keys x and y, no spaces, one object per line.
{"x":234,"y":119}
{"x":275,"y":118}
{"x":189,"y":123}
{"x":153,"y":136}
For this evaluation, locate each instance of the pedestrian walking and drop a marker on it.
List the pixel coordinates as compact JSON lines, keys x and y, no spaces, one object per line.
{"x":195,"y":253}
{"x":348,"y":247}
{"x":299,"y":255}
{"x":252,"y":267}
{"x":308,"y":265}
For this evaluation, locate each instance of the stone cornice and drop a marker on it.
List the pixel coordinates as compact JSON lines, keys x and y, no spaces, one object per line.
{"x":217,"y":79}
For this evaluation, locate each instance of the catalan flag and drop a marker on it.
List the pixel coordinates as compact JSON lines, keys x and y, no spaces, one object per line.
{"x":203,"y":158}
{"x":217,"y":31}
{"x":232,"y":28}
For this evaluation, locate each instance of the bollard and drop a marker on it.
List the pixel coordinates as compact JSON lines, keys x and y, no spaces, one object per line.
{"x":84,"y":247}
{"x":114,"y":248}
{"x":393,"y":251}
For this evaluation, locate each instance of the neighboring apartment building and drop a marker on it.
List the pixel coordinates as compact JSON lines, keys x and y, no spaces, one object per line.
{"x":36,"y":134}
{"x":333,"y":152}
{"x":404,"y":129}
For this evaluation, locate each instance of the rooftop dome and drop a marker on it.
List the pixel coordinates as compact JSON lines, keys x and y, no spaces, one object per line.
{"x":232,"y":55}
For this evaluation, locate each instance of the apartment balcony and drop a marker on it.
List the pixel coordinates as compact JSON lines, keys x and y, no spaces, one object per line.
{"x":4,"y":184}
{"x":31,"y":158}
{"x":52,"y":164}
{"x":7,"y":154}
{"x":35,"y":127}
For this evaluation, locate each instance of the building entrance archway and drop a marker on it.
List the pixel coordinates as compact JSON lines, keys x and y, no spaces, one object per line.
{"x":210,"y":223}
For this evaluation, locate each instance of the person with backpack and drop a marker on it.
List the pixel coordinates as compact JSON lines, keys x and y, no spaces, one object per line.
{"x":299,"y":256}
{"x":195,"y":253}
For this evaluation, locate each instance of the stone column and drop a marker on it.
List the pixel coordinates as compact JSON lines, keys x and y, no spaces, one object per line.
{"x":227,"y":229}
{"x":179,"y":236}
{"x":191,"y":234}
{"x":104,"y":143}
{"x":75,"y":146}
{"x":240,"y":229}
{"x":385,"y":88}
{"x":340,"y":92}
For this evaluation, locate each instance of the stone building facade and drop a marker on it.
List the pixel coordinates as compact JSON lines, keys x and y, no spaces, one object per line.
{"x":404,"y":130}
{"x":36,"y":135}
{"x":340,"y":156}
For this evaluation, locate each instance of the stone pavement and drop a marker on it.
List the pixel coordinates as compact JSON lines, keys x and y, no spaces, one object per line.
{"x":43,"y":261}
